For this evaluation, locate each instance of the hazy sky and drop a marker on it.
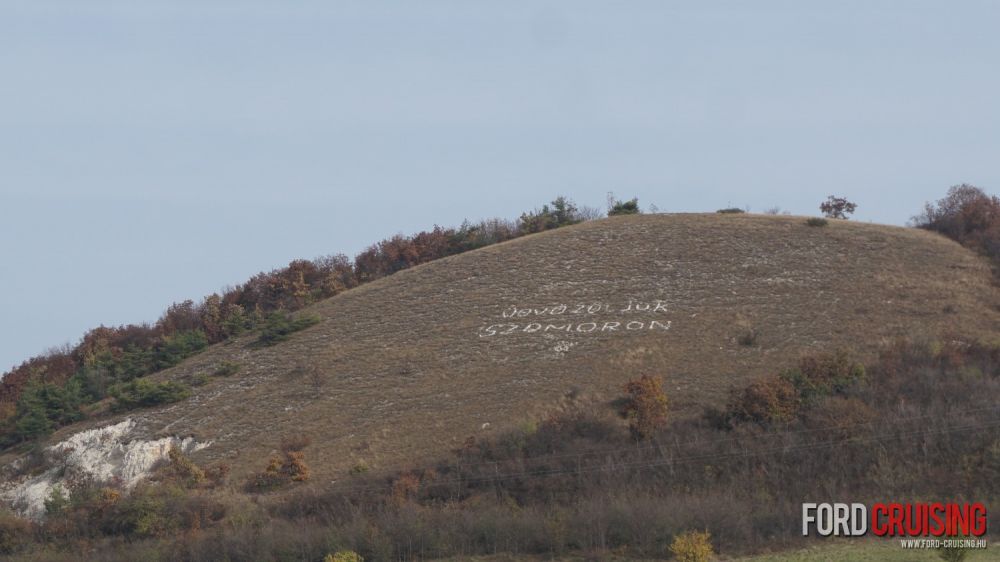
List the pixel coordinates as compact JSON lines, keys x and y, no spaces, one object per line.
{"x":156,"y":151}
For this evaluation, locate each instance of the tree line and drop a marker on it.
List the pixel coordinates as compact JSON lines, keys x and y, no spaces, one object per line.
{"x":48,"y":390}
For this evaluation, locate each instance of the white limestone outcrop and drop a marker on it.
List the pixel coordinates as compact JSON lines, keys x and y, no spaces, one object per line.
{"x":106,"y":455}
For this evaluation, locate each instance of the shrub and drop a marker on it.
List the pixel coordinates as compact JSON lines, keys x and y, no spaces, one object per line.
{"x":730,"y":211}
{"x":816,"y":221}
{"x":290,"y":467}
{"x":226,"y":368}
{"x":183,"y":470}
{"x":269,"y":479}
{"x":692,"y":546}
{"x":404,"y":487}
{"x":142,"y":393}
{"x":748,"y":338}
{"x":44,"y":407}
{"x":344,"y":556}
{"x":766,"y":401}
{"x":177,"y":347}
{"x":837,"y":207}
{"x":824,"y":374}
{"x":630,"y":207}
{"x":280,"y":325}
{"x":563,"y":212}
{"x":143,"y":513}
{"x":968,"y":216}
{"x":645,"y":406}
{"x":56,"y":502}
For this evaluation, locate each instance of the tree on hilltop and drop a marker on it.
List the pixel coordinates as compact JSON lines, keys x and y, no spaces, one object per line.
{"x":837,"y":207}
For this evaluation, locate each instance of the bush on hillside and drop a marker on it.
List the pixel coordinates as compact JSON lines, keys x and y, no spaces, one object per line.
{"x":45,"y":407}
{"x":968,"y":216}
{"x":226,"y":368}
{"x":142,"y":393}
{"x":630,"y":207}
{"x":179,"y":346}
{"x":182,"y":469}
{"x":645,"y":406}
{"x":281,"y":470}
{"x":824,"y":374}
{"x":770,"y":400}
{"x":816,"y":221}
{"x":778,"y":399}
{"x":280,"y":325}
{"x":563,"y":212}
{"x":692,"y":546}
{"x":730,"y":211}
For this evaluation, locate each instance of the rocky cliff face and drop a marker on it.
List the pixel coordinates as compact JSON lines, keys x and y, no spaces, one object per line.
{"x":106,"y":455}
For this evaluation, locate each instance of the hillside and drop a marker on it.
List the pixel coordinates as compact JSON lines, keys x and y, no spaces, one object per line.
{"x":409,"y":366}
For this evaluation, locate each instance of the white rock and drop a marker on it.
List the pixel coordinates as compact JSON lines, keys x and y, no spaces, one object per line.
{"x":104,"y":455}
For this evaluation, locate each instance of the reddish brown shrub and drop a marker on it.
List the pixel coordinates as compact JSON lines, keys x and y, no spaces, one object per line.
{"x":291,"y":467}
{"x":404,"y":487}
{"x":967,"y":215}
{"x":645,"y":406}
{"x":769,"y":400}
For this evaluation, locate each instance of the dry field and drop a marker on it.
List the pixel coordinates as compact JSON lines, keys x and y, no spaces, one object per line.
{"x":408,"y":367}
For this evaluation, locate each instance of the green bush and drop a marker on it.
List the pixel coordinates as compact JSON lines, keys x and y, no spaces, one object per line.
{"x":57,"y":502}
{"x":44,"y":407}
{"x":824,"y":374}
{"x":177,"y":347}
{"x":816,"y":221}
{"x":563,"y":212}
{"x":630,"y":207}
{"x":226,"y":368}
{"x":142,"y":393}
{"x":142,"y":514}
{"x":279,"y":326}
{"x":730,"y":211}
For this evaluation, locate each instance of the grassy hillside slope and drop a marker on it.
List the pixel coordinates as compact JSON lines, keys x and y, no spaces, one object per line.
{"x":409,"y":366}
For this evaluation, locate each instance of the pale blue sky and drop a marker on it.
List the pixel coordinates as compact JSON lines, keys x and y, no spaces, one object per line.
{"x":152,"y":151}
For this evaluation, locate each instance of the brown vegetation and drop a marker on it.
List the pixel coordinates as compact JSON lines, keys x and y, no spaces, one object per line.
{"x":968,"y":216}
{"x":577,"y":483}
{"x":282,"y":470}
{"x":645,"y":406}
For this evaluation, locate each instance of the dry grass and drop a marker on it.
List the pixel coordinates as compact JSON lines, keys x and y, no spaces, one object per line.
{"x":397,"y":371}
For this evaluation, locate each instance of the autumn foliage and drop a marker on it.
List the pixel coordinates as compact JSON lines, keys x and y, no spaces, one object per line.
{"x":968,"y":216}
{"x":281,"y":470}
{"x":109,"y":356}
{"x":645,"y":406}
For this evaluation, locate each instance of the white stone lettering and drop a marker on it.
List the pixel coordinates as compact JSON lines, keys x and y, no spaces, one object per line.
{"x":641,"y":312}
